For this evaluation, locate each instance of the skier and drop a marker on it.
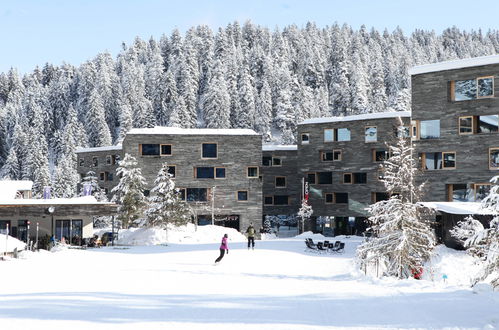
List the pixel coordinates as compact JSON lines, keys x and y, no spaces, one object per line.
{"x":223,"y":247}
{"x":251,"y":236}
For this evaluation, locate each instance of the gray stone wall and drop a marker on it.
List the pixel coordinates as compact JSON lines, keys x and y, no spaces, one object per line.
{"x":431,"y":99}
{"x":357,"y":157}
{"x":235,"y":154}
{"x":289,"y":170}
{"x":108,"y":182}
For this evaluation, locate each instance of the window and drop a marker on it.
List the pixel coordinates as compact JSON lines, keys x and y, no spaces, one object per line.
{"x":371,"y":134}
{"x":463,"y":90}
{"x":341,"y":198}
{"x":328,"y":198}
{"x":429,"y":129}
{"x":197,"y":194}
{"x":488,"y":124}
{"x":305,"y":138}
{"x":337,"y":155}
{"x":102,"y":176}
{"x":280,"y":182}
{"x":276,"y":161}
{"x":481,"y":191}
{"x":150,"y":149}
{"x":268,"y":200}
{"x":281,"y":200}
{"x":460,"y":193}
{"x":327,"y":156}
{"x":325,"y":177}
{"x":449,"y":160}
{"x":166,"y":150}
{"x":172,"y":170}
{"x":336,"y":134}
{"x":181,"y":193}
{"x":81,"y":162}
{"x":380,"y":155}
{"x":414,"y":129}
{"x":109,"y":176}
{"x":347,"y":178}
{"x":95,"y":161}
{"x":311,"y":178}
{"x":466,"y":125}
{"x":379,"y":196}
{"x":493,"y":158}
{"x":242,"y":196}
{"x":209,"y":150}
{"x":252,"y":172}
{"x":205,"y":172}
{"x":219,"y":172}
{"x":108,"y":160}
{"x":359,"y":178}
{"x":267,"y":161}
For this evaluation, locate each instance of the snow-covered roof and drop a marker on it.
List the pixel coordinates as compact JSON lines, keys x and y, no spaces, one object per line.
{"x":367,"y":116}
{"x":457,"y":207}
{"x":191,"y":131}
{"x":9,"y":189}
{"x":85,"y":200}
{"x":455,"y":64}
{"x":107,"y":148}
{"x":276,"y":147}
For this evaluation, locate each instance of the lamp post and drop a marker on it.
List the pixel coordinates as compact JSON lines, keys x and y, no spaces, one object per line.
{"x":213,"y":205}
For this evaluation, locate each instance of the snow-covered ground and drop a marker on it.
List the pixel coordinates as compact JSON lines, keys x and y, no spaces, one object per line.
{"x":275,"y":286}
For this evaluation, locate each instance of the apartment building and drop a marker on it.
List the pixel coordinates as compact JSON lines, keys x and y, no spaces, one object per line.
{"x":339,"y":159}
{"x":455,"y":118}
{"x":216,"y":170}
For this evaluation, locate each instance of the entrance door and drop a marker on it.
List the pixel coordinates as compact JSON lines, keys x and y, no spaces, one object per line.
{"x":3,"y":226}
{"x":22,"y":230}
{"x":62,"y":229}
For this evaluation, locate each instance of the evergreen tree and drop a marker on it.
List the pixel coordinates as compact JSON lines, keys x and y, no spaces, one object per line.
{"x":305,"y":212}
{"x":66,"y":178}
{"x":403,"y":239}
{"x":217,"y":103}
{"x":129,"y":193}
{"x":97,"y":129}
{"x":165,"y":206}
{"x":92,"y":182}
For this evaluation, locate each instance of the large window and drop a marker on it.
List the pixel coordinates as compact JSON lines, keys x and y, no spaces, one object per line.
{"x":488,"y":124}
{"x":471,"y":89}
{"x":197,"y":194}
{"x":340,"y":198}
{"x":205,"y":172}
{"x":327,"y":156}
{"x":462,"y":192}
{"x":466,"y":125}
{"x":281,"y":200}
{"x":371,"y":134}
{"x":336,"y":134}
{"x":433,"y":160}
{"x":379,"y":196}
{"x":305,"y":138}
{"x":494,"y":158}
{"x":209,"y":150}
{"x":271,"y":161}
{"x":150,"y":149}
{"x":429,"y":129}
{"x":324,"y":177}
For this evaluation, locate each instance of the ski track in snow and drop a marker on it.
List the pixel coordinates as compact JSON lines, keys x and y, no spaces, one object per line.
{"x":275,"y":286}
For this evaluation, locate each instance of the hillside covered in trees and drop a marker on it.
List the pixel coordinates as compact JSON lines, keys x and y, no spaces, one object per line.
{"x":239,"y":76}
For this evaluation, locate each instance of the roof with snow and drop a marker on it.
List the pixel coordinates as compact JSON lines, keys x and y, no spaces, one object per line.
{"x":107,"y":148}
{"x":277,"y":147}
{"x":455,"y":64}
{"x":9,"y":188}
{"x":163,"y":130}
{"x":85,"y":200}
{"x":367,"y":116}
{"x":458,"y":207}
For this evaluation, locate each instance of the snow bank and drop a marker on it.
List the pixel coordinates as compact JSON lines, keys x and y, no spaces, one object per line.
{"x":11,"y":243}
{"x":309,"y":234}
{"x":184,"y":234}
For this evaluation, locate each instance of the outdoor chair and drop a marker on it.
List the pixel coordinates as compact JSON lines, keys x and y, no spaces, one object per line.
{"x":339,"y":249}
{"x":321,"y":247}
{"x":310,"y":246}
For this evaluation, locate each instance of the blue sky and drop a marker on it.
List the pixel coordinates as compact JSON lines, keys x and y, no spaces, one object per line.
{"x":33,"y":32}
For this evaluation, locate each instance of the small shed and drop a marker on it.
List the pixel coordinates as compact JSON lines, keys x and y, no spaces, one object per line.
{"x":450,"y":213}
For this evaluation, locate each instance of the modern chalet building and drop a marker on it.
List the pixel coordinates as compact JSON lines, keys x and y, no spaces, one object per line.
{"x":455,"y":117}
{"x":281,"y":183}
{"x":339,"y":158}
{"x":216,"y":170}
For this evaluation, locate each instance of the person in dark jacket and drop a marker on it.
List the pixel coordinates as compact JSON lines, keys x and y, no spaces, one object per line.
{"x":223,"y":247}
{"x":251,"y":236}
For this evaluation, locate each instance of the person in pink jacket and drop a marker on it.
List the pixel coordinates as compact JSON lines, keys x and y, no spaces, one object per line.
{"x":223,"y":247}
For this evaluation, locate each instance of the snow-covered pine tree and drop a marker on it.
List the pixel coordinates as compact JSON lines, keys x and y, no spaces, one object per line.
{"x":402,"y":237}
{"x":129,"y":193}
{"x":65,"y":178}
{"x":165,"y":206}
{"x":304,"y":213}
{"x":217,"y":101}
{"x":97,"y":129}
{"x":96,"y":191}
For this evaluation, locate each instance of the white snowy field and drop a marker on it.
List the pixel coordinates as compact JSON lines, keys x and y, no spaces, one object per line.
{"x":275,"y":286}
